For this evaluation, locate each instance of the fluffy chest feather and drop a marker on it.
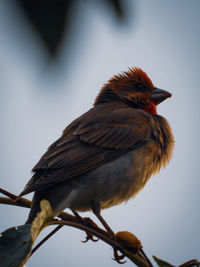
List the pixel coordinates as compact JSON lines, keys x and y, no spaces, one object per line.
{"x":116,"y":181}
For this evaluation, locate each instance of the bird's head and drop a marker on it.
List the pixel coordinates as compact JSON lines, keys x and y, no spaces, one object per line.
{"x":135,"y":89}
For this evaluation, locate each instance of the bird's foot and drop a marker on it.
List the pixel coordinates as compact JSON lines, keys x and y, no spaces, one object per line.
{"x":89,"y":222}
{"x":118,"y":258}
{"x":90,"y":237}
{"x":86,"y":221}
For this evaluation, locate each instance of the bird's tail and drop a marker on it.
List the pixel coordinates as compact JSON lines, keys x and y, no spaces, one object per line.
{"x":34,"y":209}
{"x":56,"y":195}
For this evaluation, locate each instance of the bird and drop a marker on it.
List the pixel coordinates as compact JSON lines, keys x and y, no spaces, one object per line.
{"x":107,"y":155}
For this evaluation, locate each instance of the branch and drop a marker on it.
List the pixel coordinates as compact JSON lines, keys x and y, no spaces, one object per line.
{"x":45,"y":239}
{"x":70,"y":220}
{"x":139,"y":258}
{"x":26,"y":203}
{"x":22,"y":202}
{"x":135,"y":258}
{"x":8,"y":194}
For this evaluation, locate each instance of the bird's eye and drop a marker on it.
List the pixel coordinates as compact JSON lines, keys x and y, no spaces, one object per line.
{"x":140,"y":87}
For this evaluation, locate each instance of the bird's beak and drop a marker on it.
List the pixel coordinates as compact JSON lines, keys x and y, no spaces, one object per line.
{"x":159,"y":95}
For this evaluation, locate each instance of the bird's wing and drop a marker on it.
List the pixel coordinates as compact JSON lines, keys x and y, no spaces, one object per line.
{"x":92,"y":140}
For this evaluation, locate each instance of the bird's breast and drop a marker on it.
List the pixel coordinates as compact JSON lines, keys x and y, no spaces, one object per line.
{"x":114,"y":182}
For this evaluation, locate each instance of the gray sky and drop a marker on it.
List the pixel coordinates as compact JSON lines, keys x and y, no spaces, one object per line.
{"x":163,"y":39}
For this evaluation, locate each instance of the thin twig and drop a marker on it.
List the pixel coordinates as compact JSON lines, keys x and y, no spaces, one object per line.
{"x":26,"y":203}
{"x":190,"y":263}
{"x":140,"y":259}
{"x":145,"y":256}
{"x":8,"y":194}
{"x":45,"y":239}
{"x":71,"y":220}
{"x":104,"y":236}
{"x":22,"y":202}
{"x":132,"y":256}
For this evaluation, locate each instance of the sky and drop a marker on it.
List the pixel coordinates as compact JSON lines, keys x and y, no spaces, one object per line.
{"x":37,"y":101}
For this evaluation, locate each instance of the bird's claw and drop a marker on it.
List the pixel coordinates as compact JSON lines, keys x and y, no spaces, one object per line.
{"x":118,"y":258}
{"x":90,"y":237}
{"x":86,"y":222}
{"x":89,"y":222}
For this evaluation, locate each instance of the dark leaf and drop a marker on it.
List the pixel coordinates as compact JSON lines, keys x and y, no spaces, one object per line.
{"x":15,"y":246}
{"x":16,"y":242}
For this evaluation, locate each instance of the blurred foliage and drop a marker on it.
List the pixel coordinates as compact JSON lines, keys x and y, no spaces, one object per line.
{"x":118,"y":8}
{"x":53,"y":19}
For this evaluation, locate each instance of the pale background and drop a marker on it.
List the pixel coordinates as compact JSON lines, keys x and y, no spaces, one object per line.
{"x":37,"y":101}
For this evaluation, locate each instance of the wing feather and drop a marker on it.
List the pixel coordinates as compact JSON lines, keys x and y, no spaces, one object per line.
{"x":92,"y":140}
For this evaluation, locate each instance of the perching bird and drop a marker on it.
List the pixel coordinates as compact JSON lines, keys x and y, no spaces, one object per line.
{"x":107,"y":155}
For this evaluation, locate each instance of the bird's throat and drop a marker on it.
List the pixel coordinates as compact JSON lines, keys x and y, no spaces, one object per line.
{"x":151,"y":109}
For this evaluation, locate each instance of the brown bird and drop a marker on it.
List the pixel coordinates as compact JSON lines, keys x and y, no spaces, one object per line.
{"x":108,"y":154}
